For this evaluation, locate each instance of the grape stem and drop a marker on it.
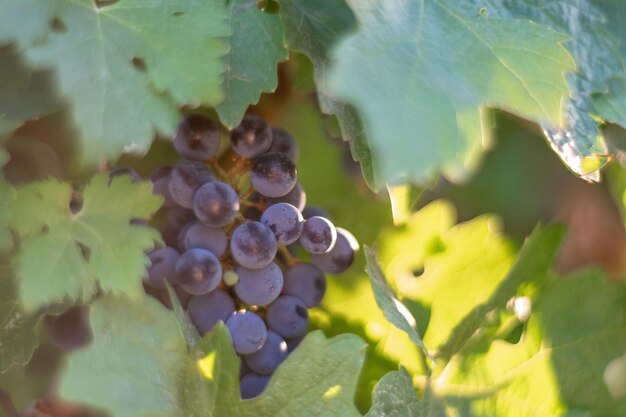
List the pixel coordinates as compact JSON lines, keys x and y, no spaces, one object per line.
{"x":288,"y":259}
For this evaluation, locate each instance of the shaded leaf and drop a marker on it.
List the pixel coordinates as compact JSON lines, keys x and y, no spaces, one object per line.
{"x":419,"y":74}
{"x":120,"y":64}
{"x":256,"y":46}
{"x":394,"y":396}
{"x":64,"y":254}
{"x":135,"y":363}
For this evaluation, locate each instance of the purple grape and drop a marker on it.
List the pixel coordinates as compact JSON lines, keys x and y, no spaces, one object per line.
{"x":247,"y":330}
{"x":185,"y":179}
{"x":198,"y":271}
{"x":162,"y":267}
{"x":216,"y":204}
{"x":252,"y":137}
{"x":197,"y":138}
{"x":160,"y":178}
{"x":252,"y":385}
{"x":265,"y":360}
{"x":198,"y":235}
{"x":311,"y":211}
{"x":296,"y":197}
{"x":288,"y":316}
{"x":318,"y":235}
{"x":284,"y":143}
{"x":253,"y":245}
{"x":285,"y":221}
{"x":294,"y":342}
{"x":206,"y":310}
{"x":340,"y":256}
{"x":177,"y":218}
{"x":259,"y":286}
{"x":273,"y":175}
{"x":306,"y":282}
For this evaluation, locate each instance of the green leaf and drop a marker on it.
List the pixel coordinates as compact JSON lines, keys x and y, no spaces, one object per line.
{"x":394,"y":396}
{"x":317,"y":379}
{"x":7,"y":194}
{"x":575,"y":330}
{"x":135,"y":363}
{"x":25,"y":94}
{"x":126,"y":66}
{"x":18,"y":341}
{"x":313,"y":28}
{"x":256,"y":46}
{"x":420,"y":73}
{"x":392,"y":308}
{"x":65,"y":254}
{"x":186,"y":327}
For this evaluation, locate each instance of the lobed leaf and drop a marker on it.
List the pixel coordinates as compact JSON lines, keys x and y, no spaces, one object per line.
{"x":65,"y":253}
{"x":419,"y":74}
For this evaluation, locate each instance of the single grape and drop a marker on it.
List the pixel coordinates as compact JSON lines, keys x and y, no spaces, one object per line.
{"x":284,"y":143}
{"x":216,"y":204}
{"x":265,"y":360}
{"x":252,"y":385}
{"x":253,"y":245}
{"x":285,"y":221}
{"x":185,"y":180}
{"x":70,"y":329}
{"x":247,"y":330}
{"x":207,"y":309}
{"x":198,"y":271}
{"x":197,"y":138}
{"x":198,"y":235}
{"x":340,"y":256}
{"x":296,"y":197}
{"x":310,"y":211}
{"x":162,"y":267}
{"x":318,"y":235}
{"x":259,"y":286}
{"x":288,"y":316}
{"x":306,"y":282}
{"x":273,"y":175}
{"x":252,"y":137}
{"x":160,"y":178}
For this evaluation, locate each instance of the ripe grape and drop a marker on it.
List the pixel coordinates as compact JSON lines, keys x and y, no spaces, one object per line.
{"x":265,"y":360}
{"x":296,"y":197}
{"x":318,"y":235}
{"x":284,"y":143}
{"x":247,"y":330}
{"x":207,"y":309}
{"x":306,"y":282}
{"x":162,"y":267}
{"x":288,"y":316}
{"x":285,"y":221}
{"x":185,"y":180}
{"x":273,"y":175}
{"x":70,"y":329}
{"x":216,"y":204}
{"x":197,"y":138}
{"x":340,"y":256}
{"x":253,"y":245}
{"x":198,"y":271}
{"x":259,"y":286}
{"x":252,"y":137}
{"x":160,"y":178}
{"x":198,"y":235}
{"x":252,"y":385}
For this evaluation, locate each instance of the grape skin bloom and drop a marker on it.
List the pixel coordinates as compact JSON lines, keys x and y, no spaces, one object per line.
{"x":253,"y":245}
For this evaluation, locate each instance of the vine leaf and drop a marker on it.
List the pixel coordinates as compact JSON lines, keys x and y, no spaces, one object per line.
{"x":17,"y":336}
{"x":256,"y":46}
{"x":394,"y":396}
{"x":135,"y":363}
{"x":64,"y":254}
{"x":126,"y":66}
{"x":420,"y":73}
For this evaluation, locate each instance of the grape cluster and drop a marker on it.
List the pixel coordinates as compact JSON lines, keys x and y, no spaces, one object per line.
{"x":235,"y":220}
